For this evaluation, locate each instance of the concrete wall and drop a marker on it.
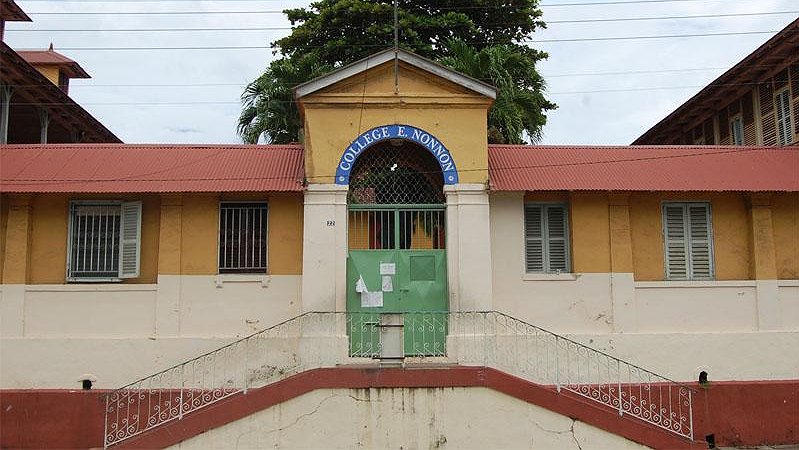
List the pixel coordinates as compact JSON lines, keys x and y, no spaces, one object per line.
{"x":407,"y":418}
{"x":675,"y":328}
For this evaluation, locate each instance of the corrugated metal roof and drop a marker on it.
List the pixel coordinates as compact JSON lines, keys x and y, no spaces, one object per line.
{"x":643,"y":168}
{"x":120,"y":168}
{"x":53,"y":58}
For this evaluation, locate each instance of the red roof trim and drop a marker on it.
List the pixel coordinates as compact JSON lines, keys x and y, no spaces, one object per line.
{"x":643,"y":168}
{"x":109,"y":168}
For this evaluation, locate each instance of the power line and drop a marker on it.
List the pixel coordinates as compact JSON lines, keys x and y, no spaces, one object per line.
{"x":245,"y":83}
{"x":240,"y":29}
{"x":230,"y":102}
{"x":555,"y":5}
{"x":531,"y":41}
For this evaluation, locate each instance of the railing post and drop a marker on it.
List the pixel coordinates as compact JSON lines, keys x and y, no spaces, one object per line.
{"x":180,"y":399}
{"x":621,"y":410}
{"x":105,"y":428}
{"x":557,"y":365}
{"x":244,"y":359}
{"x":690,"y":415}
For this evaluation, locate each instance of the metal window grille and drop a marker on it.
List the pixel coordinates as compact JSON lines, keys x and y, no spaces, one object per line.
{"x":242,"y":237}
{"x":783,"y":106}
{"x":94,"y":241}
{"x":396,"y":173}
{"x":403,"y":229}
{"x":688,"y":241}
{"x":546,"y":233}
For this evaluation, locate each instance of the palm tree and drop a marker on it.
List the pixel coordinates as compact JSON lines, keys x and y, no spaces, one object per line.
{"x":269,"y":109}
{"x":520,"y":106}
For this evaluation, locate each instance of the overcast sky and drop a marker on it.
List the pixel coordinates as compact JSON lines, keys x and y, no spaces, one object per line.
{"x":608,"y":91}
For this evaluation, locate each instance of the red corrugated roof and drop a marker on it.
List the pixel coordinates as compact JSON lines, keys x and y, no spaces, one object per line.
{"x":643,"y":168}
{"x":121,"y":168}
{"x":53,"y":58}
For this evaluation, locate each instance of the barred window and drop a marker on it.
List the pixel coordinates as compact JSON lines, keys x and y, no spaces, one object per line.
{"x":103,"y":240}
{"x":242,"y":237}
{"x":546,"y":235}
{"x":688,"y":241}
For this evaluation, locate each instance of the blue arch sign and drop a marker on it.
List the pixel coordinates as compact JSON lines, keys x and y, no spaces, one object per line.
{"x":406,"y":132}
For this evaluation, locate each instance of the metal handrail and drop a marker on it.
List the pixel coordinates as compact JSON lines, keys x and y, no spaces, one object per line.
{"x":327,"y":339}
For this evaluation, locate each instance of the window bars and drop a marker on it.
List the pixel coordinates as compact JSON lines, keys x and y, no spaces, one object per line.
{"x":242,"y":237}
{"x":104,"y":240}
{"x":389,"y":174}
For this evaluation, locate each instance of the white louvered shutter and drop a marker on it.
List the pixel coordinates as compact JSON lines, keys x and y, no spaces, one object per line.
{"x":130,"y":237}
{"x":534,"y":238}
{"x":557,"y":237}
{"x":675,"y":241}
{"x":701,"y":265}
{"x":783,"y":106}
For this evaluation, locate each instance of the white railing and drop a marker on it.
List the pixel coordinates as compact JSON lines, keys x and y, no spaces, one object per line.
{"x":329,"y":339}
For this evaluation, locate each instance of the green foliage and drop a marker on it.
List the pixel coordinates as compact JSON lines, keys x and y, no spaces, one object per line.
{"x":520,"y":104}
{"x":332,"y":33}
{"x":269,"y":109}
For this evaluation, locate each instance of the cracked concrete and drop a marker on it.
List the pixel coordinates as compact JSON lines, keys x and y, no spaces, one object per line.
{"x":462,"y":418}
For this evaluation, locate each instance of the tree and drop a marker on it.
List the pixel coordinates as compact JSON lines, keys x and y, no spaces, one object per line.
{"x":333,"y":33}
{"x":269,"y":109}
{"x":520,"y":104}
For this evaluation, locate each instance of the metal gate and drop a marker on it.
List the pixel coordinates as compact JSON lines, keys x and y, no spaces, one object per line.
{"x":397,"y":264}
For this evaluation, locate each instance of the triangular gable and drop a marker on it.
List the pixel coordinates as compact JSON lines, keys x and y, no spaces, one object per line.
{"x":385,"y":56}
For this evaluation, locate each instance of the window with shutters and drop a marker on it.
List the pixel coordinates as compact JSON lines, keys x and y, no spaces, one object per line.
{"x":546,"y":238}
{"x":688,"y":237}
{"x":104,"y":240}
{"x":242,"y":237}
{"x":782,"y":104}
{"x":737,"y":130}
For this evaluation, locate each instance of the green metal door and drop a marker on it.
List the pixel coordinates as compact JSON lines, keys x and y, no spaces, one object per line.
{"x":397,"y":264}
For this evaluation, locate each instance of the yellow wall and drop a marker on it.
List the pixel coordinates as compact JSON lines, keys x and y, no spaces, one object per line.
{"x":785,"y":216}
{"x":196,"y":237}
{"x":49,"y":228}
{"x":731,"y":233}
{"x":590,"y":227}
{"x":285,"y":234}
{"x":50,"y":72}
{"x":337,"y":115}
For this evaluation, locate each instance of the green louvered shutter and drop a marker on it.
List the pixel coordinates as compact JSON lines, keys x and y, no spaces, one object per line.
{"x":557,"y":234}
{"x":534,"y":238}
{"x":546,"y":236}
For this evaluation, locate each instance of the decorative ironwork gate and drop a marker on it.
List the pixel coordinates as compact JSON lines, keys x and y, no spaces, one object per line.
{"x":397,"y":258}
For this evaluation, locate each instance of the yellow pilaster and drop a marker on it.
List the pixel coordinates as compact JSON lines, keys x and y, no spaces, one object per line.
{"x":170,"y":235}
{"x":621,"y":247}
{"x":18,"y":230}
{"x":763,"y":251}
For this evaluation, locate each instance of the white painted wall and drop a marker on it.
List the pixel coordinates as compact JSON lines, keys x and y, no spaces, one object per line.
{"x":52,"y":334}
{"x":463,"y":418}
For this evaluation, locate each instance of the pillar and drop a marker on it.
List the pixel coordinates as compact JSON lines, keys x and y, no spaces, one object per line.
{"x":468,"y":248}
{"x":764,"y":261}
{"x":5,"y":111}
{"x":622,"y":283}
{"x":15,"y":266}
{"x":324,"y":250}
{"x":44,"y":125}
{"x":167,"y":314}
